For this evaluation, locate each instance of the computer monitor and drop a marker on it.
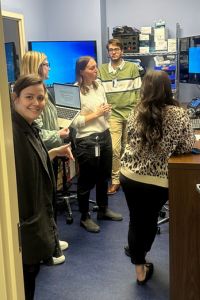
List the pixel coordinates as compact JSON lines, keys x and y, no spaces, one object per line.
{"x":11,"y":61}
{"x":190,"y":60}
{"x":62,"y":56}
{"x":194,"y":60}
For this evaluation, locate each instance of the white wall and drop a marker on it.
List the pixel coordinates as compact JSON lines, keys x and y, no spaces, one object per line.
{"x":35,"y":14}
{"x":59,"y":20}
{"x":144,"y":13}
{"x":75,"y":20}
{"x":82,"y":19}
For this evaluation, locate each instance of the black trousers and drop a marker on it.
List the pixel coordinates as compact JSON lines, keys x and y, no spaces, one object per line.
{"x":93,"y":169}
{"x":30,"y":273}
{"x":144,"y":202}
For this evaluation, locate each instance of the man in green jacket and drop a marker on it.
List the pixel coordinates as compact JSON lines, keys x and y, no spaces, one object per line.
{"x":121,"y":81}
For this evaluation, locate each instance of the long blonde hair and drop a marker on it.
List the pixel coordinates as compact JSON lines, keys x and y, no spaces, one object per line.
{"x":31,"y":62}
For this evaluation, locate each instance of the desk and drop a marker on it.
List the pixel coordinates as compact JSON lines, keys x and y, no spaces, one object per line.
{"x":184,"y":227}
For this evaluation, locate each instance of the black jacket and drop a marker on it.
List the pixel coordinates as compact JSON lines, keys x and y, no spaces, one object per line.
{"x":36,"y":189}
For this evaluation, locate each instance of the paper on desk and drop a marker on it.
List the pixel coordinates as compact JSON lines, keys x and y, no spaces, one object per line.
{"x":197,"y":136}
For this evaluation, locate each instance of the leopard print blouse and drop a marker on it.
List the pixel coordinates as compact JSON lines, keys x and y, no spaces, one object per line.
{"x":145,"y":165}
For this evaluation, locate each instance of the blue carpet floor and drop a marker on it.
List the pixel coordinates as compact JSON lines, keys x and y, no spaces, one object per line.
{"x":96,"y":267}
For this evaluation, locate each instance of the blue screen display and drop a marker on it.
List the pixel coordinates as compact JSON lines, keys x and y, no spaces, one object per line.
{"x":194,"y":60}
{"x":62,"y":56}
{"x":10,"y":61}
{"x":195,"y":102}
{"x":189,"y":63}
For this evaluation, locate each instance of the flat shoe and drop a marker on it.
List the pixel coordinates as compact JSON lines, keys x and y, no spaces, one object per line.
{"x":127,"y":250}
{"x":113,"y":189}
{"x":149,"y":273}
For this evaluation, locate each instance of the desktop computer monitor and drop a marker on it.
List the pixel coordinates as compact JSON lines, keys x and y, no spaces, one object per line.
{"x":190,"y":60}
{"x":11,"y":61}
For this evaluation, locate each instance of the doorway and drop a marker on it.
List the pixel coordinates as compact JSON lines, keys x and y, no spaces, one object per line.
{"x":13,"y":28}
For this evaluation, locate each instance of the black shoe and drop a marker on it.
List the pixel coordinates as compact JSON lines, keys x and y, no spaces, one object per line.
{"x":109,"y":215}
{"x":126,"y":250}
{"x":90,"y":225}
{"x":149,"y":273}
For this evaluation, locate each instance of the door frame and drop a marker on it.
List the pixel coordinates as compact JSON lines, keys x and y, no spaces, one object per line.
{"x":11,"y":275}
{"x":20,"y":22}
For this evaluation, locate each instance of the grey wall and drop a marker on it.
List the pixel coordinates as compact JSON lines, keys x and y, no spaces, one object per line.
{"x":75,"y":20}
{"x":59,"y":20}
{"x":104,"y":30}
{"x":89,"y":19}
{"x":144,"y":13}
{"x":35,"y":14}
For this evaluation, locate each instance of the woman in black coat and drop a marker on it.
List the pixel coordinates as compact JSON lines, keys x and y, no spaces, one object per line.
{"x":35,"y":179}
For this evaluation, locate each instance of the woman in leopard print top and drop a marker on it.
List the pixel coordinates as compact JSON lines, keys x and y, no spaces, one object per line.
{"x":157,"y":128}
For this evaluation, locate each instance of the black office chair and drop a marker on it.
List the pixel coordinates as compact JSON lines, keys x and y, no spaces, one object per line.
{"x":67,"y":195}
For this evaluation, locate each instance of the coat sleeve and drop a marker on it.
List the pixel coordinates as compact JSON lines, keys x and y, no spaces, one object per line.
{"x":50,"y":138}
{"x":187,"y":137}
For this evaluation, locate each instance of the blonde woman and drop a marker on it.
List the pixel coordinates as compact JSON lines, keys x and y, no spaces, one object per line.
{"x":34,"y":62}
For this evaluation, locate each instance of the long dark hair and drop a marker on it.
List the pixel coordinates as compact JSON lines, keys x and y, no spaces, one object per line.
{"x":81,"y":64}
{"x":155,"y":94}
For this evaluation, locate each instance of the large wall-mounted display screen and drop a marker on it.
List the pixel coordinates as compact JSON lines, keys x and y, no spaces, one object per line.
{"x":190,"y":60}
{"x":62,"y":56}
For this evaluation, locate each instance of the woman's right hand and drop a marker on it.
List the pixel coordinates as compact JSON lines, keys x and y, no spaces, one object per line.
{"x":102,"y":109}
{"x":64,"y":150}
{"x":64,"y":133}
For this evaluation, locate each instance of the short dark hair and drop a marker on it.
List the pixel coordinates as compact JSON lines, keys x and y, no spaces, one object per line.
{"x":115,"y":42}
{"x":25,"y":81}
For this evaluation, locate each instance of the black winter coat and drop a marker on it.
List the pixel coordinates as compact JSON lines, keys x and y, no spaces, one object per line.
{"x":36,"y":190}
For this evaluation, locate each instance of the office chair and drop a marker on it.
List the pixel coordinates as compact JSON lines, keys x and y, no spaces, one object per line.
{"x":68,"y":193}
{"x":164,"y":216}
{"x":65,"y":196}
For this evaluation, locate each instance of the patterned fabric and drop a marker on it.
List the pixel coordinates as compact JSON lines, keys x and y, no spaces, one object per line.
{"x":48,"y":123}
{"x":151,"y":167}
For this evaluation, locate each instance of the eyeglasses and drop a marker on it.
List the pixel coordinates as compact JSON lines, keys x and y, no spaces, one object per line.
{"x":46,"y":65}
{"x":114,"y":50}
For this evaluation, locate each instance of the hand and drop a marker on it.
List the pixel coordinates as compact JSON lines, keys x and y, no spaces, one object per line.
{"x":102,"y":109}
{"x":64,"y":132}
{"x":64,"y":150}
{"x":107,"y":107}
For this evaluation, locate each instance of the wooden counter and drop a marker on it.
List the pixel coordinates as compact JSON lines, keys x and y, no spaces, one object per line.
{"x":184,"y":227}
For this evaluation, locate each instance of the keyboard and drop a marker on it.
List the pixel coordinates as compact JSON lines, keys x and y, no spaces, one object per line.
{"x":195,"y":123}
{"x":66,"y":113}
